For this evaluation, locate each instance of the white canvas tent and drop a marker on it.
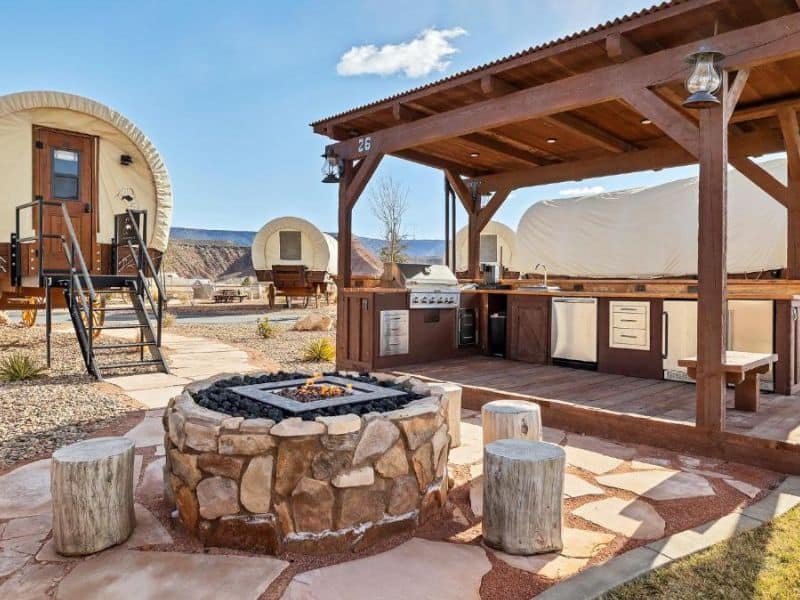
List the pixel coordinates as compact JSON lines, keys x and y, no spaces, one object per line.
{"x":652,"y":232}
{"x":294,"y":241}
{"x":145,"y":179}
{"x":498,"y":241}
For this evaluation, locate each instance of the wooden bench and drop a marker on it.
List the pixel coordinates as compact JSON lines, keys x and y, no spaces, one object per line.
{"x":742,"y":369}
{"x":226,"y":296}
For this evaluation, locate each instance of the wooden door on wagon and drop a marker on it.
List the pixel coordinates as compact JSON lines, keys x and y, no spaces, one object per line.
{"x":64,"y":170}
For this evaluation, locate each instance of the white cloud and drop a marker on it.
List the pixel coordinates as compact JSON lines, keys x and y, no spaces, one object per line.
{"x":424,"y":54}
{"x":582,"y":191}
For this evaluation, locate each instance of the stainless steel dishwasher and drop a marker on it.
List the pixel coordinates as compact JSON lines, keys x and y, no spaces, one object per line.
{"x":573,"y":332}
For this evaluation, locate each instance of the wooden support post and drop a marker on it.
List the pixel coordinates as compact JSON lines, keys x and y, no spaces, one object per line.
{"x":473,"y":246}
{"x":791,"y":140}
{"x":712,"y":297}
{"x":345,"y":235}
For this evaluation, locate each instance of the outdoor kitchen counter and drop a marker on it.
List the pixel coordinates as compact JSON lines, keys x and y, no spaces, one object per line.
{"x":433,"y":334}
{"x":732,"y":295}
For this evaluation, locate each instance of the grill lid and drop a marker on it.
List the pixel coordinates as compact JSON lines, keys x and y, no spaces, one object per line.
{"x":413,"y":276}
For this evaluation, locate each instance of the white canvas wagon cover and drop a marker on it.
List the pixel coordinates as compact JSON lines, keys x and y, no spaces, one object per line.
{"x":145,"y":179}
{"x":318,"y":250}
{"x":652,"y":232}
{"x":506,"y":245}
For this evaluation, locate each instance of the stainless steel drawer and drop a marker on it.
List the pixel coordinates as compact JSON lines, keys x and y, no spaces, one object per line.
{"x":638,"y":308}
{"x":629,"y":320}
{"x":633,"y":338}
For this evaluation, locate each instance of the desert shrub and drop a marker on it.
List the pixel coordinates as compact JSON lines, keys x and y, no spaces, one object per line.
{"x":168,"y":319}
{"x":18,"y":367}
{"x":320,"y":350}
{"x":266,"y":329}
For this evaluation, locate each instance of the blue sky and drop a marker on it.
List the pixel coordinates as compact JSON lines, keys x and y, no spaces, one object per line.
{"x":227,"y":90}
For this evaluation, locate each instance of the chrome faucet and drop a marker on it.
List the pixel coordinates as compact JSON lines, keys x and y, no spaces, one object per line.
{"x":544,"y":268}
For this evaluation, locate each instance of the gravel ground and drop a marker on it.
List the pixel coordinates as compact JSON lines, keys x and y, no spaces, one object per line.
{"x":62,"y":406}
{"x":285,"y":348}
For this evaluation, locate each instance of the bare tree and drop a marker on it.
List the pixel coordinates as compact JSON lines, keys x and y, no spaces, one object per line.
{"x":389,"y":201}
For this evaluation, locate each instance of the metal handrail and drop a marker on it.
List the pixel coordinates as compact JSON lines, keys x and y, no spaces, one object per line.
{"x":145,"y":255}
{"x":72,"y":251}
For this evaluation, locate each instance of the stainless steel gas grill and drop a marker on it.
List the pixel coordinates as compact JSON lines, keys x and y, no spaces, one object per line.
{"x":429,"y":286}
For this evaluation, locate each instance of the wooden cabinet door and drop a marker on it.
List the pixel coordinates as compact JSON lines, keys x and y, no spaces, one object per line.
{"x":529,"y":329}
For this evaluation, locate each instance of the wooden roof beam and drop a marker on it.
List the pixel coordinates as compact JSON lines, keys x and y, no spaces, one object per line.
{"x":769,"y":41}
{"x":655,"y":158}
{"x":791,"y":138}
{"x":405,"y":113}
{"x":437,"y":162}
{"x":761,"y":178}
{"x":764,"y":110}
{"x":487,"y":212}
{"x":485,"y":140}
{"x":591,"y":132}
{"x":494,"y":87}
{"x":620,"y":49}
{"x":462,"y":191}
{"x":666,"y":117}
{"x":735,"y":92}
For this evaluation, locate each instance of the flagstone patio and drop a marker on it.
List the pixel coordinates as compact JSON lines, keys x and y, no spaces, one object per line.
{"x":617,"y":497}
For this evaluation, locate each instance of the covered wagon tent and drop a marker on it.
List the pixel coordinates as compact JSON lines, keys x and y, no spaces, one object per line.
{"x":498,"y":245}
{"x":651,"y":232}
{"x":85,"y":203}
{"x":296,"y":257}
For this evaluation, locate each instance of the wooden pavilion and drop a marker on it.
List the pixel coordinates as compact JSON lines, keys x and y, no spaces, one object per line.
{"x":605,"y":101}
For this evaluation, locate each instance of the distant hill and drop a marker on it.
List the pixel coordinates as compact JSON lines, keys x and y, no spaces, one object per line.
{"x":238,"y":238}
{"x":425,"y":251}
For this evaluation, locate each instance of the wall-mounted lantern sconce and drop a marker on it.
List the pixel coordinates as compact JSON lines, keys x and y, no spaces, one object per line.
{"x":332,"y":168}
{"x":125,"y":159}
{"x":705,"y":78}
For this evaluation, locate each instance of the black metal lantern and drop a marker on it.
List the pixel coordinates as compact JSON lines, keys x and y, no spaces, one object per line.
{"x":332,"y":168}
{"x":704,"y":79}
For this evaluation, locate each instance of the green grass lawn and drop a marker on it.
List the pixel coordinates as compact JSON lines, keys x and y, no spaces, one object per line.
{"x":763,"y":563}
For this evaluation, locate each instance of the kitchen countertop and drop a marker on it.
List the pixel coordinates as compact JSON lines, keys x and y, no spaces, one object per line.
{"x":750,"y":295}
{"x":759,"y":292}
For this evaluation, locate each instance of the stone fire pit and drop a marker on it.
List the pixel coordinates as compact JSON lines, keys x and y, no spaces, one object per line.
{"x":321,"y":476}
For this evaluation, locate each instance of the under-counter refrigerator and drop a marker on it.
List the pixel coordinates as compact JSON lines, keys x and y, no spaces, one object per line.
{"x":750,"y":329}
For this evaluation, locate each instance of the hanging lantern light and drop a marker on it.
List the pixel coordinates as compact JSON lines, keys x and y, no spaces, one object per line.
{"x":704,"y":80}
{"x":332,"y":168}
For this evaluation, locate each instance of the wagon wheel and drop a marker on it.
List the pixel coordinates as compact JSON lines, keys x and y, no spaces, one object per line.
{"x":98,"y":316}
{"x":29,"y":313}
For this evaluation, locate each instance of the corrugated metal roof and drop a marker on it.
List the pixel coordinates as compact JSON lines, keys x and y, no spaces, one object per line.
{"x":607,"y":25}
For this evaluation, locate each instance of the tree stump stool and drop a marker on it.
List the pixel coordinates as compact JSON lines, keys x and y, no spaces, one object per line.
{"x":92,"y":489}
{"x":522,"y":489}
{"x":511,"y":420}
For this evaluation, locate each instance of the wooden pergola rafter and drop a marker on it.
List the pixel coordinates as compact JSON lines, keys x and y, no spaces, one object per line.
{"x":504,"y":110}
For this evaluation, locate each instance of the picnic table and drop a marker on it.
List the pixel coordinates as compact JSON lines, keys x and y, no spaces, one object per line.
{"x":743,"y":370}
{"x":229,"y":296}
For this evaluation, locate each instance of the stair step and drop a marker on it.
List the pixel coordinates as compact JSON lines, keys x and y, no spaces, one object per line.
{"x":125,"y":345}
{"x":132,"y":326}
{"x":137,"y":363}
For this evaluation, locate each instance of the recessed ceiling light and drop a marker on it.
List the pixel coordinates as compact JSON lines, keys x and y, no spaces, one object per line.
{"x":551,"y":140}
{"x":474,"y":154}
{"x":646,"y":122}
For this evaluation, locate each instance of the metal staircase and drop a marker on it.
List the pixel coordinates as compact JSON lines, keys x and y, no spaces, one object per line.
{"x":85,"y":296}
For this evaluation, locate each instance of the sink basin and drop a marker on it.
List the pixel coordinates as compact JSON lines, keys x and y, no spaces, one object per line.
{"x":540,"y":288}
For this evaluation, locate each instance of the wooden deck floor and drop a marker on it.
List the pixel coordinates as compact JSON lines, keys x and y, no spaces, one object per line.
{"x":777,"y":419}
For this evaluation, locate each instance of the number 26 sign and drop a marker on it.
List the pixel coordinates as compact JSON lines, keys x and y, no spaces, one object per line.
{"x":364,"y":144}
